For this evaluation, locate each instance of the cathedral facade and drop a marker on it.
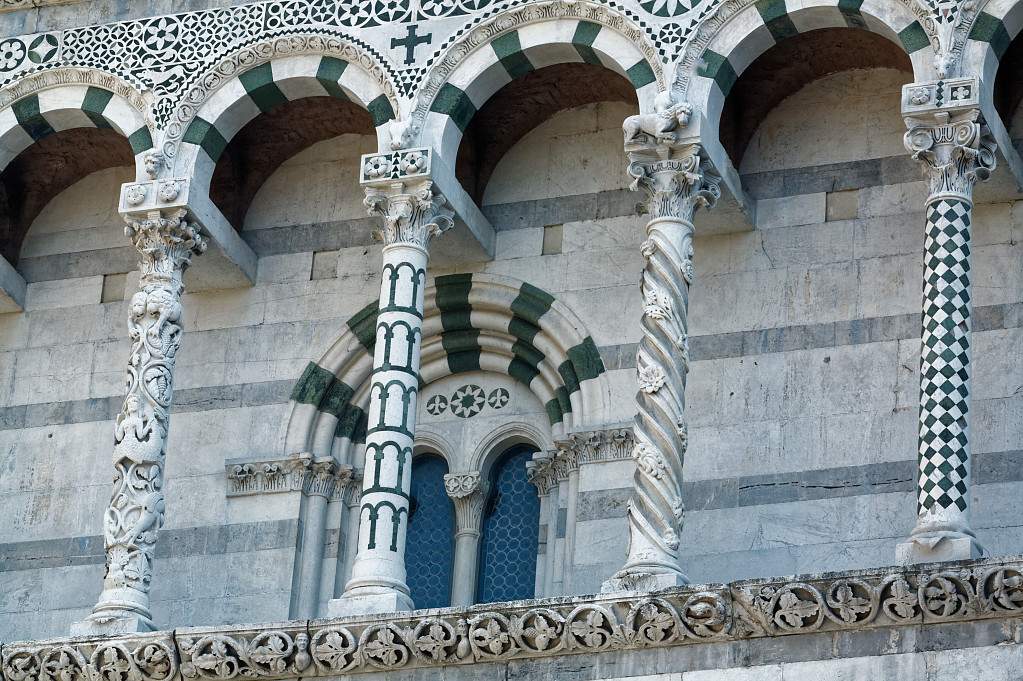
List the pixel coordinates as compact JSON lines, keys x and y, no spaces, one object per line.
{"x":639,"y":340}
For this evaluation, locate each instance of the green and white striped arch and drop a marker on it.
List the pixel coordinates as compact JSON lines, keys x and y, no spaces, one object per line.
{"x":516,"y":52}
{"x":65,"y":107}
{"x":260,"y":89}
{"x":762,"y":24}
{"x":473,"y":322}
{"x":993,"y":30}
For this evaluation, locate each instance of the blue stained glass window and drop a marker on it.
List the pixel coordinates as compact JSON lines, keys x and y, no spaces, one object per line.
{"x":429,"y":545}
{"x":511,"y":526}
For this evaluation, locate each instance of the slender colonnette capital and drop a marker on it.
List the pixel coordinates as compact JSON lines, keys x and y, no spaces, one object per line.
{"x":468,"y":493}
{"x":677,"y":180}
{"x":166,"y":240}
{"x":948,"y":136}
{"x":398,"y":188}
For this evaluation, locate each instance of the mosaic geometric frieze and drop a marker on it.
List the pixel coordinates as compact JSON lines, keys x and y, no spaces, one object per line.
{"x":468,"y":400}
{"x":589,"y":625}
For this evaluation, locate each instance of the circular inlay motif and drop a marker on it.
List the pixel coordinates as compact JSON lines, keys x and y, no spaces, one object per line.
{"x":436,"y":405}
{"x":498,"y":398}
{"x":667,"y":8}
{"x":468,"y":401}
{"x":12,"y":53}
{"x":43,"y":48}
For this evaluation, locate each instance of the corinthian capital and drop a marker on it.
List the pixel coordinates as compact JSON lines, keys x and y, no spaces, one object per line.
{"x":166,"y":242}
{"x":676,"y":178}
{"x":948,"y":135}
{"x":468,"y":492}
{"x":398,"y":188}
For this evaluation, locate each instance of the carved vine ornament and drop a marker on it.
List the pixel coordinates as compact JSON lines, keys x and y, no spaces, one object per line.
{"x":889,"y":597}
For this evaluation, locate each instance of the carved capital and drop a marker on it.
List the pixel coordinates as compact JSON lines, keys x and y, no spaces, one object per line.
{"x":676,"y":179}
{"x":166,"y":242}
{"x":468,"y":493}
{"x":541,"y":471}
{"x":948,"y":135}
{"x":322,"y":477}
{"x":398,"y":188}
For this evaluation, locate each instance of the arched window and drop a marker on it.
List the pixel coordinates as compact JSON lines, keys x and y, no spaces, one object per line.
{"x":429,"y":545}
{"x":511,"y":526}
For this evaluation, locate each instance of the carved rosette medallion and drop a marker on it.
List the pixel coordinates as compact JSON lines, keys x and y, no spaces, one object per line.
{"x":166,"y":242}
{"x":947,"y":134}
{"x":676,"y":181}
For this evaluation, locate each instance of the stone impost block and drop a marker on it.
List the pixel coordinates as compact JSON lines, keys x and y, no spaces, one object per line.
{"x":938,"y":549}
{"x":369,"y":604}
{"x":12,"y":288}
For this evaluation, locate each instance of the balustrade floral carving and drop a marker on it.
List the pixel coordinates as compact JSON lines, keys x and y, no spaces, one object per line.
{"x":890,"y":597}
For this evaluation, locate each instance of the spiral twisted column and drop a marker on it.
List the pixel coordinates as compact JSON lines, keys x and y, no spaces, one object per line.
{"x":676,"y":180}
{"x":166,"y":242}
{"x":399,"y":190}
{"x":947,"y":135}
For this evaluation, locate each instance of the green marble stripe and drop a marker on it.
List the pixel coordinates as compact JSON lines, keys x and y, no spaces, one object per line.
{"x":27,"y":113}
{"x":719,"y":69}
{"x":95,"y":102}
{"x":459,"y":339}
{"x":364,"y":325}
{"x":585,"y":34}
{"x":569,"y":376}
{"x":312,"y":385}
{"x":531,"y":304}
{"x":509,"y":51}
{"x":640,"y":74}
{"x":206,"y":135}
{"x":328,"y":73}
{"x":914,"y":38}
{"x":850,"y":10}
{"x":776,"y":19}
{"x":525,"y":366}
{"x":336,"y":398}
{"x":453,"y":102}
{"x":352,"y":423}
{"x":140,"y":140}
{"x":380,"y":110}
{"x":261,"y":88}
{"x":991,"y":30}
{"x":586,"y":360}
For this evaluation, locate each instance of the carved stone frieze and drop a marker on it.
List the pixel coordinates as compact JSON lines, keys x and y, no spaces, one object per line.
{"x":321,"y":477}
{"x":692,"y":615}
{"x":547,"y":469}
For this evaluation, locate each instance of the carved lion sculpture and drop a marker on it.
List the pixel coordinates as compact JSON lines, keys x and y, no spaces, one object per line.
{"x":663,"y":125}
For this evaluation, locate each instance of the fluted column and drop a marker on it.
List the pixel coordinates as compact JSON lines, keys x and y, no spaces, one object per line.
{"x":676,"y":180}
{"x":398,"y":189}
{"x":468,"y":493}
{"x":166,"y":241}
{"x":948,"y":136}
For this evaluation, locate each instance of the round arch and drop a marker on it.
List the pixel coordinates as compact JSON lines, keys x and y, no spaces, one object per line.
{"x":258,"y":77}
{"x":521,"y":40}
{"x":62,"y":99}
{"x":994,"y":26}
{"x":495,"y":443}
{"x":727,"y":44}
{"x":472,"y":322}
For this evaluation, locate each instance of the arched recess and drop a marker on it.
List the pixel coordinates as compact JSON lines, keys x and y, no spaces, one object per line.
{"x":260,"y":77}
{"x":56,"y":127}
{"x":519,"y":41}
{"x":731,"y":41}
{"x":472,"y":322}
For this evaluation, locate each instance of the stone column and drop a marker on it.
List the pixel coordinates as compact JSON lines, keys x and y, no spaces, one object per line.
{"x":676,"y":180}
{"x":166,"y":242}
{"x":468,"y":493}
{"x":323,"y":480}
{"x":542,"y":473}
{"x":948,"y":136}
{"x":398,"y":189}
{"x":349,"y":527}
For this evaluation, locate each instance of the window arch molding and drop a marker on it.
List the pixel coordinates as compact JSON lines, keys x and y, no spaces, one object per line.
{"x":493,"y":446}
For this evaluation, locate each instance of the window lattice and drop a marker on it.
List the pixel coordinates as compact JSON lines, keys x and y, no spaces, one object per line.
{"x":429,"y":547}
{"x":511,"y":528}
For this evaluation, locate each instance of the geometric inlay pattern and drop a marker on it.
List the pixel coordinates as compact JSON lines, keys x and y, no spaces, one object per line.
{"x":945,"y":357}
{"x":429,"y":546}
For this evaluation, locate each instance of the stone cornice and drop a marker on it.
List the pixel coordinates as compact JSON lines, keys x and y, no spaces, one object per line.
{"x":879,"y":598}
{"x":313,"y":477}
{"x":547,"y":469}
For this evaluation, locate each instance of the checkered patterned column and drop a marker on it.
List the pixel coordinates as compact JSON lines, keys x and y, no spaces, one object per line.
{"x":945,"y":360}
{"x":948,"y":136}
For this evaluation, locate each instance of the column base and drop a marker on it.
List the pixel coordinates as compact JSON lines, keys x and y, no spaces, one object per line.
{"x":369,"y":604}
{"x":101,"y":623}
{"x":643,"y":581}
{"x":937,"y":549}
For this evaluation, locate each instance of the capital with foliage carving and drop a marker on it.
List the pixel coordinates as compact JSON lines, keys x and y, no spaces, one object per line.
{"x":468,"y":493}
{"x":948,"y":135}
{"x":399,"y":189}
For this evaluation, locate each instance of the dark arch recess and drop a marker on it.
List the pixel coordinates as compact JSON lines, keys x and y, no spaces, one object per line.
{"x":793,"y":63}
{"x":1009,"y":87}
{"x":48,"y":167}
{"x":267,"y":141}
{"x":525,"y":103}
